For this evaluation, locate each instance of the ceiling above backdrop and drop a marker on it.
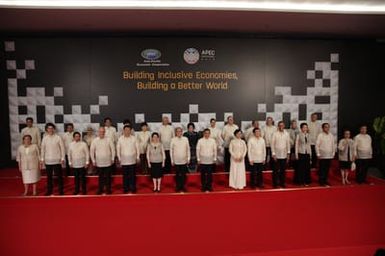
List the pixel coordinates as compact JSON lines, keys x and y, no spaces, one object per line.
{"x":295,"y":18}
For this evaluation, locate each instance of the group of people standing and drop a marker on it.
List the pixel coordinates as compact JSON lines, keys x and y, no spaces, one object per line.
{"x":255,"y":150}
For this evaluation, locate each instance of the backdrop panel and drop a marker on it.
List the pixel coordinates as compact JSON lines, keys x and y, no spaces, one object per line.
{"x":83,"y":80}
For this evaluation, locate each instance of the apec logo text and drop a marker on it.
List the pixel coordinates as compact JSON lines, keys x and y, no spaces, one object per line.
{"x":193,"y":55}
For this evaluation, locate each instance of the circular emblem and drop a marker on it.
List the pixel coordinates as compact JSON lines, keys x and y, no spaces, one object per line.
{"x":191,"y":55}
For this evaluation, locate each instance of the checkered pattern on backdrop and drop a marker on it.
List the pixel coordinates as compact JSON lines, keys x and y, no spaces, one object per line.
{"x":321,"y":97}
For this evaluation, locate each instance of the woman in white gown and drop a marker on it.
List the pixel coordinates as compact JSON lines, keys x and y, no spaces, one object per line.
{"x":238,"y":151}
{"x":28,"y":159}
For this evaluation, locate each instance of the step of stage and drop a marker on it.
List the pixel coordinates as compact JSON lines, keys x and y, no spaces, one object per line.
{"x":12,"y":184}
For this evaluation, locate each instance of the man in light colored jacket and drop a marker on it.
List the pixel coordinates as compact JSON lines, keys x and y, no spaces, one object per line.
{"x":326,"y":149}
{"x":363,"y":153}
{"x":256,"y":151}
{"x":166,"y":133}
{"x":68,"y":137}
{"x":227,"y":135}
{"x":128,"y":153}
{"x":280,"y":150}
{"x":314,"y":130}
{"x":102,"y":153}
{"x":206,"y":157}
{"x":78,"y":160}
{"x":52,"y":156}
{"x":33,"y":131}
{"x":180,"y":158}
{"x":268,"y":132}
{"x":303,"y":154}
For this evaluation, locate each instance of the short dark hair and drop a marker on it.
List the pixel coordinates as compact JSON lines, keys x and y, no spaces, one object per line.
{"x":127,"y":126}
{"x":190,"y":124}
{"x":302,"y":125}
{"x":324,"y":124}
{"x":107,"y":118}
{"x":281,"y":122}
{"x":27,"y":135}
{"x":50,"y":124}
{"x":212,"y":119}
{"x":256,"y":129}
{"x":126,"y":121}
{"x":69,"y":124}
{"x":154,"y":134}
{"x":143,"y":124}
{"x":77,"y":133}
{"x":206,"y":130}
{"x":237,"y":131}
{"x":29,"y":119}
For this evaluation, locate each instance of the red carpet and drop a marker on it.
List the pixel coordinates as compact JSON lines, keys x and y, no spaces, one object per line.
{"x":340,"y":220}
{"x":11,"y":184}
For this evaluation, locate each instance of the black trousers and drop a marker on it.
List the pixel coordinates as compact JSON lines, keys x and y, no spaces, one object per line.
{"x":68,"y":168}
{"x":303,"y":170}
{"x":291,"y":157}
{"x":313,"y":157}
{"x":51,"y":170}
{"x":293,"y":163}
{"x":279,"y":173}
{"x":256,"y":175}
{"x":144,"y":163}
{"x":362,"y":166}
{"x":247,"y":163}
{"x":80,"y":177}
{"x":129,"y":178}
{"x":270,"y":163}
{"x":180,"y":176}
{"x":167,"y":162}
{"x":207,"y":176}
{"x":105,"y":174}
{"x":226,"y":159}
{"x":113,"y":167}
{"x":323,"y":174}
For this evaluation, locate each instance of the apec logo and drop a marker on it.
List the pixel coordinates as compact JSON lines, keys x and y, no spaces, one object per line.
{"x":151,"y":54}
{"x":193,"y":55}
{"x":208,"y":53}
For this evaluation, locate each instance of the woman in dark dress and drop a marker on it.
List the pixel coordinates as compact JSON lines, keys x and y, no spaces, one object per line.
{"x":193,"y":138}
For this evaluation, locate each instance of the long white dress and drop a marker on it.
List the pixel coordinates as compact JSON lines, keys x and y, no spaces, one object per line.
{"x":28,"y":159}
{"x":237,"y":149}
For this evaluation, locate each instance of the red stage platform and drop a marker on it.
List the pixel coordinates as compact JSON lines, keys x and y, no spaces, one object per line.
{"x":11,"y":184}
{"x":340,"y":220}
